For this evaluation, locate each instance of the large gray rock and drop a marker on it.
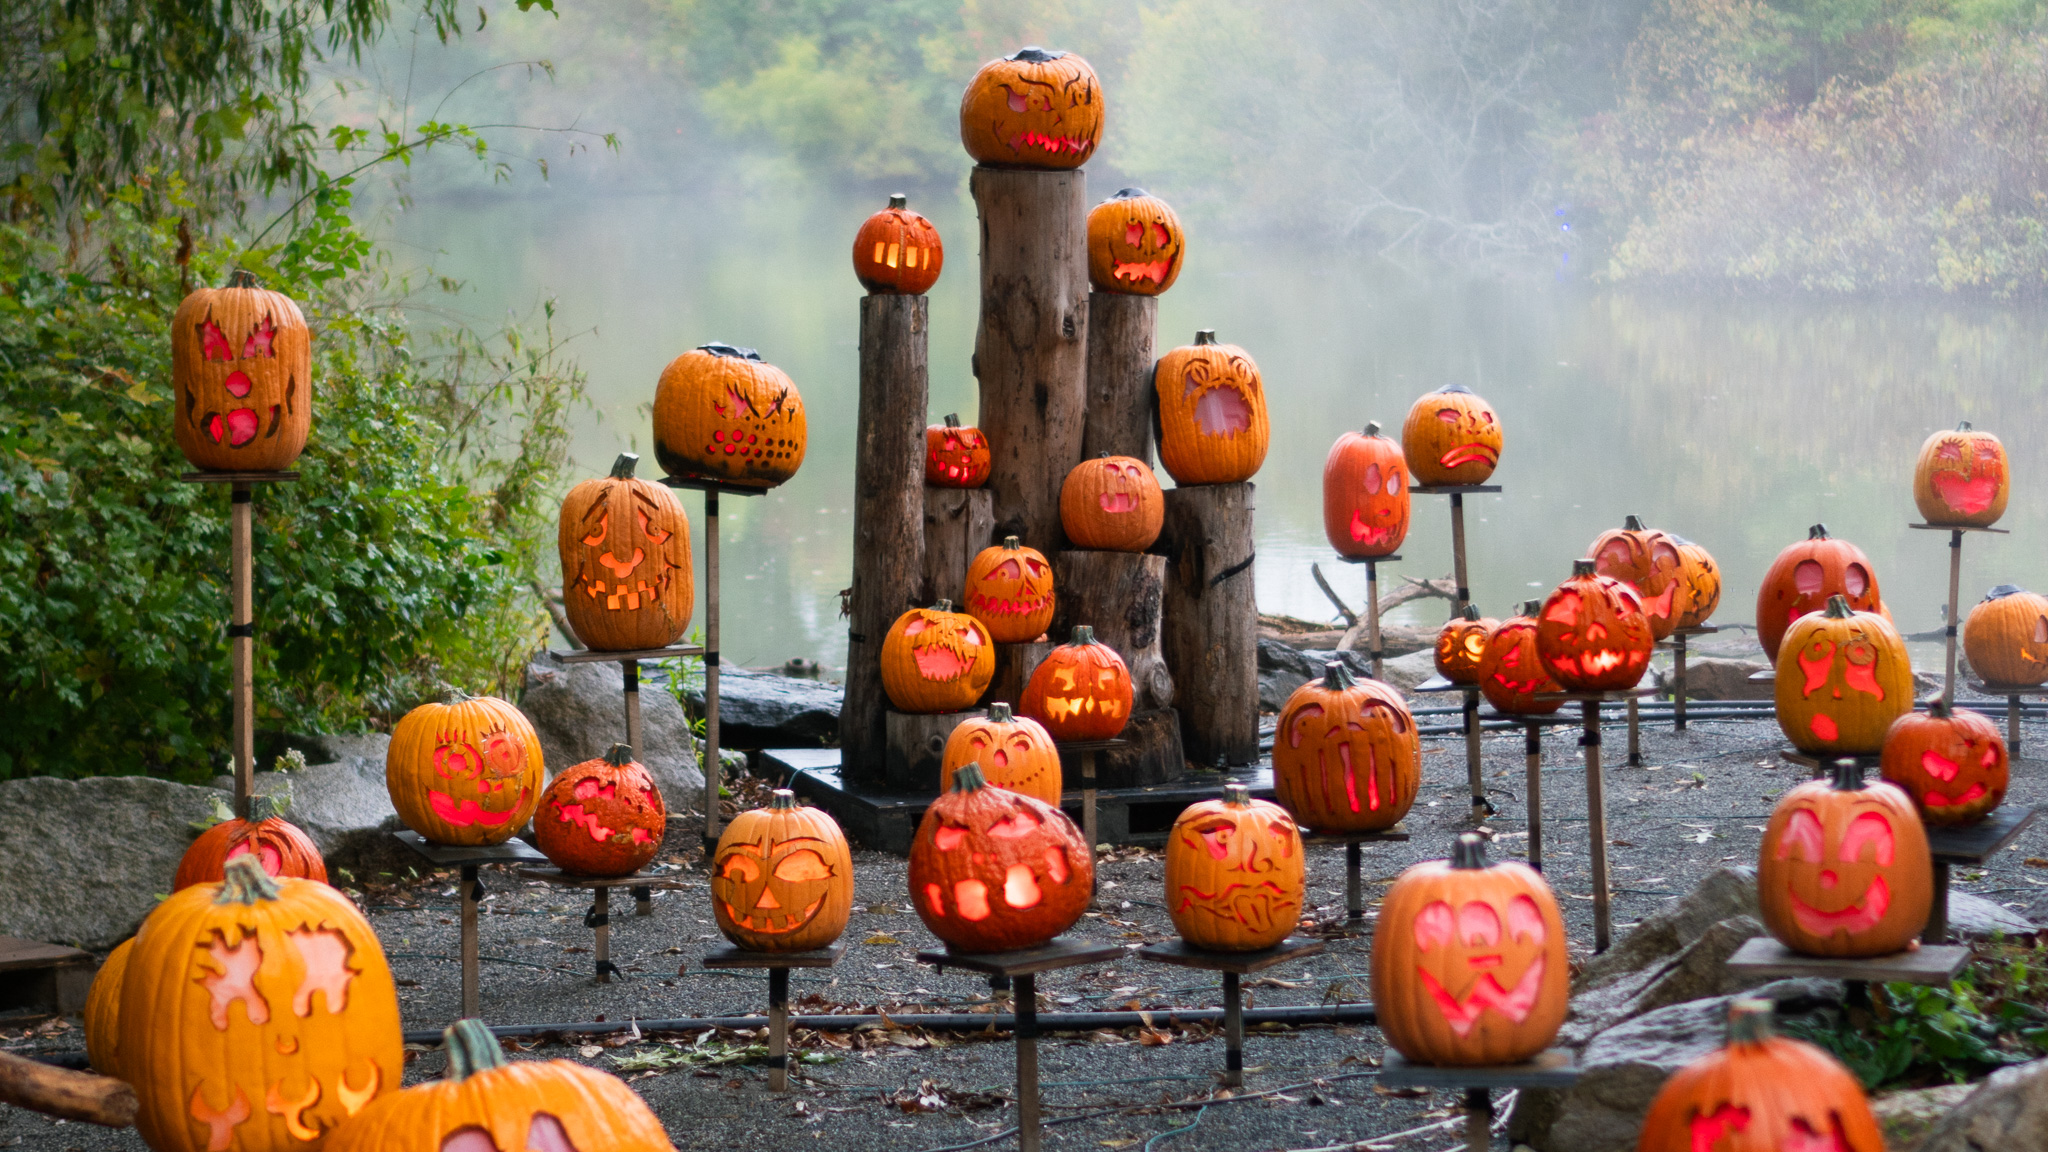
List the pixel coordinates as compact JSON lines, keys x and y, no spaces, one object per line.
{"x":1699,"y":970}
{"x":1972,"y":917}
{"x":2009,"y":1111}
{"x":357,"y":749}
{"x":1724,"y":893}
{"x":346,"y":809}
{"x":769,"y":710}
{"x":1283,"y":668}
{"x":1908,"y":1116}
{"x":1714,"y":678}
{"x":83,"y":861}
{"x":579,"y":711}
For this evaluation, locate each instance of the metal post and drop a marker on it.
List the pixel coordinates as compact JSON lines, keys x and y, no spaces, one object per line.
{"x":1480,"y":808}
{"x":631,"y":668}
{"x":1955,"y":583}
{"x":778,"y":1029}
{"x":242,"y":644}
{"x":601,"y":920}
{"x":714,"y":768}
{"x":1478,"y":1119}
{"x":1027,"y":1062}
{"x":1635,"y":739}
{"x":1678,"y":683}
{"x":1532,"y":749}
{"x":1354,"y":884}
{"x":1937,"y":915}
{"x":1372,"y":620}
{"x":472,"y":891}
{"x":1596,"y":818}
{"x":1233,"y":1032}
{"x":1088,"y":799}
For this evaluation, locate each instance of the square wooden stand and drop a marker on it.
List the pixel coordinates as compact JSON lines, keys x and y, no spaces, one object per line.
{"x":1955,"y":581}
{"x":1022,"y":968}
{"x":1481,"y":807}
{"x":1354,"y":859}
{"x":2013,"y":694}
{"x":1233,"y":965}
{"x":1927,"y":964}
{"x":1596,"y":799}
{"x":1457,"y":492}
{"x":469,"y":857}
{"x":1087,"y":750}
{"x":599,"y":918}
{"x":1374,"y":648}
{"x":778,"y":965}
{"x":1822,"y":765}
{"x":1552,"y":1069}
{"x":1968,"y":844}
{"x":1678,"y":639}
{"x":629,"y":665}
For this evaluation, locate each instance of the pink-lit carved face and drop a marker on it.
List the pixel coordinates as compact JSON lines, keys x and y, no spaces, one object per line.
{"x":243,"y":373}
{"x":944,"y":648}
{"x":543,"y":1134}
{"x":1729,"y":1122}
{"x":1968,"y":473}
{"x":1010,"y":863}
{"x":1034,"y":109}
{"x":1831,"y":670}
{"x":1842,"y":887}
{"x":955,"y":456}
{"x":1246,"y":867}
{"x":1018,"y":586}
{"x":1358,"y":758}
{"x":1473,"y":434}
{"x":1481,"y":956}
{"x":1381,"y":517}
{"x":1124,"y":487}
{"x":480,"y":777}
{"x":1223,"y":394}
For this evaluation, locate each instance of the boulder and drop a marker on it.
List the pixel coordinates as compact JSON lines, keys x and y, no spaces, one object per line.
{"x":2007,"y":1111}
{"x":358,"y":749}
{"x":83,"y":861}
{"x":1663,"y":934}
{"x":1908,"y":1116}
{"x":1698,"y":970}
{"x":1972,"y":917}
{"x":769,"y":710}
{"x":345,"y":807}
{"x":1283,"y":668}
{"x":1715,"y":678}
{"x":1405,"y":672}
{"x":579,"y":711}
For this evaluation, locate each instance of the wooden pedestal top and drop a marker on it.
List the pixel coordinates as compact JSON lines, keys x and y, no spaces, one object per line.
{"x":731,"y":957}
{"x":513,"y":851}
{"x":1976,"y":843}
{"x":1927,"y":964}
{"x":1059,"y":952}
{"x":1180,"y":952}
{"x":1552,"y":1069}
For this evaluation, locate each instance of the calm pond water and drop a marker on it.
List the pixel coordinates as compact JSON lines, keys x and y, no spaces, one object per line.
{"x":1734,"y":422}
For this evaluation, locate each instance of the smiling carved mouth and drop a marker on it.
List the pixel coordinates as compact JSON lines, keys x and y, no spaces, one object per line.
{"x":1877,"y":899}
{"x":1365,"y":533}
{"x":468,"y":812}
{"x":770,"y":921}
{"x":1937,"y":800}
{"x":1967,"y":496}
{"x":1469,"y":453}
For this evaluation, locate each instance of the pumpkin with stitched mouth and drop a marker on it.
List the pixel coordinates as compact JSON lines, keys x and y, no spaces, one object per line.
{"x":1761,"y":1093}
{"x":1135,"y":244}
{"x":1802,"y":578}
{"x":1009,"y":589}
{"x":936,"y":660}
{"x":897,"y":251}
{"x":1112,"y":504}
{"x":1951,"y":761}
{"x":467,"y":771}
{"x":1234,"y":873}
{"x":2005,"y":637}
{"x":994,"y":871}
{"x":627,"y":580}
{"x":1212,"y":412}
{"x":721,"y":413}
{"x":1365,"y":494}
{"x":1961,"y":478}
{"x":1844,"y":869}
{"x":603,"y":817}
{"x":955,"y":457}
{"x":1843,"y":676}
{"x":782,"y":877}
{"x":1648,"y":561}
{"x":1511,"y":674}
{"x":1035,"y":108}
{"x":1451,"y":437}
{"x":1592,"y":634}
{"x":1346,"y":754}
{"x":242,"y":372}
{"x":1014,"y":752}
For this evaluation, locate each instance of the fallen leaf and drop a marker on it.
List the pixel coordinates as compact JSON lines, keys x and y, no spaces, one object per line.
{"x":2035,"y":862}
{"x":1122,"y":1142}
{"x":881,"y":938}
{"x":590,"y":1050}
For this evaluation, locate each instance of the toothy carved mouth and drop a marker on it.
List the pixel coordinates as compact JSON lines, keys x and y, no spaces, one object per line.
{"x":1117,"y":502}
{"x":1365,"y":533}
{"x":951,"y":471}
{"x":1155,"y":271}
{"x":468,"y":812}
{"x":939,"y":664}
{"x":773,"y":923}
{"x":1053,"y":144}
{"x":1222,"y":412}
{"x":999,"y":607}
{"x":1469,"y":453}
{"x":621,"y":597}
{"x":1968,"y":496}
{"x":1877,"y":899}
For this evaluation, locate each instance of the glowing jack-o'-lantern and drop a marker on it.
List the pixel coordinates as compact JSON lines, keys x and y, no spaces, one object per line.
{"x":1014,"y":752}
{"x":1346,"y":755}
{"x":1451,"y":437}
{"x":1649,"y":562}
{"x":602,"y":817}
{"x":1009,"y":588}
{"x":2006,"y":636}
{"x":1802,"y":578}
{"x":1761,"y":1093}
{"x":1036,"y":108}
{"x":955,"y":457}
{"x":242,"y":372}
{"x":627,"y":580}
{"x":1702,"y":579}
{"x":1843,"y":677}
{"x":256,"y":1013}
{"x":936,"y":660}
{"x":722,"y":414}
{"x":1112,"y":504}
{"x":1961,"y":478}
{"x":1234,"y":873}
{"x":486,"y":1103}
{"x":897,"y":251}
{"x":1365,"y":494}
{"x":1844,"y":869}
{"x":1592,"y":635}
{"x":464,"y":772}
{"x":1951,"y":761}
{"x":1468,"y":961}
{"x":278,"y":844}
{"x":1511,"y":674}
{"x":1135,"y":244}
{"x":1080,"y":691}
{"x":993,"y":871}
{"x":782,"y":878}
{"x":1461,"y":645}
{"x":1212,"y":412}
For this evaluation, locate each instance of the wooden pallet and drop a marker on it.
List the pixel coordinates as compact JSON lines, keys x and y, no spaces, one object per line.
{"x":39,"y":980}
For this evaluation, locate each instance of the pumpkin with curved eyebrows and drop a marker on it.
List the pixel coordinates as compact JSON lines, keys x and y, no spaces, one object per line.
{"x":1212,"y":412}
{"x":1844,"y":869}
{"x":280,"y":845}
{"x":1461,"y":645}
{"x":782,"y":877}
{"x":1009,"y":589}
{"x":627,"y":579}
{"x":1648,"y":561}
{"x":1135,"y":244}
{"x":936,"y":660}
{"x":1702,"y":579}
{"x":1080,"y":691}
{"x":2005,"y":636}
{"x":242,"y":375}
{"x":722,"y":413}
{"x":1451,"y":437}
{"x":1842,"y":678}
{"x":1802,"y":578}
{"x":467,"y":771}
{"x":1511,"y":674}
{"x":954,"y":456}
{"x":1365,"y":495}
{"x":1346,"y":754}
{"x":1234,"y":873}
{"x":994,"y":871}
{"x":1014,"y":752}
{"x":1961,"y":478}
{"x":603,"y":817}
{"x":1035,"y":108}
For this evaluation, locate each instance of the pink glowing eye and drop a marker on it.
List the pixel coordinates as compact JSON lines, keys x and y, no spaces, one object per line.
{"x":1478,"y":925}
{"x":1372,"y":480}
{"x":1134,"y":233}
{"x":1159,"y":235}
{"x":1856,"y":580}
{"x":1019,"y":102}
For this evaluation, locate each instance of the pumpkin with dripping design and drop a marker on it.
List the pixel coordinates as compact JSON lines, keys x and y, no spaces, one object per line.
{"x":102,"y":1015}
{"x":1702,"y":578}
{"x":1961,"y":478}
{"x":1080,"y":691}
{"x":1212,"y":412}
{"x":936,"y":660}
{"x":1592,"y":635}
{"x":2005,"y":636}
{"x":1014,"y":752}
{"x":242,"y":378}
{"x":1234,"y":873}
{"x":1649,"y":562}
{"x":278,"y":844}
{"x":1451,"y":437}
{"x":995,"y":871}
{"x":1112,"y":504}
{"x":603,"y":817}
{"x":467,"y":771}
{"x":897,"y":251}
{"x":1844,"y":869}
{"x":1461,"y":645}
{"x":1760,"y":1093}
{"x":1843,"y":677}
{"x":1365,"y":495}
{"x":1009,"y":589}
{"x":627,"y":579}
{"x":955,"y":456}
{"x":1511,"y":674}
{"x":721,"y":413}
{"x":1951,"y":761}
{"x":1035,"y":108}
{"x":1135,"y":244}
{"x":782,"y":878}
{"x":1802,"y":578}
{"x":1346,"y":755}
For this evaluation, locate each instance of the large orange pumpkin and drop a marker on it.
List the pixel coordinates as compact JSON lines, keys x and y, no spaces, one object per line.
{"x":1844,"y":869}
{"x":1365,"y":495}
{"x":1014,"y":752}
{"x":1112,"y":504}
{"x":1032,"y":109}
{"x":2005,"y":636}
{"x":1702,"y":579}
{"x":1135,"y":244}
{"x":1951,"y":761}
{"x":602,"y":817}
{"x":1461,"y":645}
{"x":995,"y":871}
{"x":278,"y":844}
{"x":782,"y":878}
{"x":1080,"y":691}
{"x":955,"y":457}
{"x":722,"y":414}
{"x":1234,"y":873}
{"x":1648,"y":561}
{"x":1346,"y":755}
{"x":1843,"y":677}
{"x":936,"y":660}
{"x":103,"y":1011}
{"x":1592,"y":635}
{"x":1009,"y":589}
{"x":242,"y":378}
{"x":897,"y":251}
{"x":627,"y":579}
{"x":1451,"y":437}
{"x":1212,"y":412}
{"x":1511,"y":674}
{"x":1961,"y":478}
{"x":465,"y":772}
{"x":1760,"y":1093}
{"x":1468,"y":961}
{"x":1802,"y":578}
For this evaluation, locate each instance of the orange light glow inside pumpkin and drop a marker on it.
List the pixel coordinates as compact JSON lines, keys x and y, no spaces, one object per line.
{"x":1480,"y":430}
{"x":1026,"y":576}
{"x":493,"y":769}
{"x":1475,"y":935}
{"x":781,"y":883}
{"x":238,"y":426}
{"x":1297,"y":730}
{"x":950,"y":455}
{"x":1859,"y":673}
{"x":1080,"y":699}
{"x":593,"y":789}
{"x":1590,"y":660}
{"x":1864,"y":907}
{"x":1250,"y":898}
{"x":625,"y":592}
{"x":1020,"y":882}
{"x":742,"y":435}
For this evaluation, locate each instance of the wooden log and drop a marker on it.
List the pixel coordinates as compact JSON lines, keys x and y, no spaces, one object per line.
{"x":1014,"y":665}
{"x":1211,"y":621}
{"x":1151,"y":755}
{"x":1119,"y":594}
{"x":888,"y":524}
{"x":917,"y":747}
{"x":55,"y":1091}
{"x":958,"y":524}
{"x":1031,"y":350}
{"x":1121,"y":338}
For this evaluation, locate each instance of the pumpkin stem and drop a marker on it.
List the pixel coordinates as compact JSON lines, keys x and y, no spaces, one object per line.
{"x":942,"y":606}
{"x":1817,"y":532}
{"x":471,"y":1049}
{"x":952,"y":419}
{"x":969,"y":778}
{"x":898,"y":200}
{"x":1204,"y":336}
{"x":1129,"y":193}
{"x":619,"y":755}
{"x":1848,"y":775}
{"x":451,"y":695}
{"x":1237,"y":795}
{"x":265,"y":806}
{"x":1033,"y":54}
{"x":1471,"y":611}
{"x":999,"y":713}
{"x":243,"y":881}
{"x":1337,"y":676}
{"x":1010,"y":544}
{"x":2002,"y":591}
{"x":1632,"y":524}
{"x":1749,"y":1020}
{"x":1083,"y":634}
{"x":1962,"y":425}
{"x":1584,"y":568}
{"x":1838,"y":608}
{"x":1939,"y":709}
{"x":1456,"y":388}
{"x":1531,"y":607}
{"x":721,"y":348}
{"x":782,"y":800}
{"x":241,"y":278}
{"x":622,"y":468}
{"x":1372,"y":427}
{"x":1469,"y":852}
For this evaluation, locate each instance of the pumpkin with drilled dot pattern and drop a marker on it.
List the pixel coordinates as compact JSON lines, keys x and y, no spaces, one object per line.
{"x":721,"y":413}
{"x":1234,"y":873}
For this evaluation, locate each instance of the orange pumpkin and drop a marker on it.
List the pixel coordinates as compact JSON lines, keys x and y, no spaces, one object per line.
{"x":955,"y":457}
{"x":1451,"y":437}
{"x":1009,"y":589}
{"x":936,"y":660}
{"x":1080,"y":691}
{"x":465,"y":772}
{"x":1365,"y":494}
{"x":1346,"y":755}
{"x":782,"y":878}
{"x":1135,"y":244}
{"x":897,"y":251}
{"x":1844,"y":869}
{"x":1212,"y":412}
{"x":722,"y":414}
{"x":1112,"y":504}
{"x":1461,"y":645}
{"x":2005,"y":636}
{"x":627,"y":579}
{"x":1961,"y":478}
{"x":242,"y":375}
{"x":278,"y":844}
{"x":1511,"y":674}
{"x":1843,"y":677}
{"x":1952,"y":762}
{"x":1014,"y":752}
{"x":1032,"y":109}
{"x":602,"y":817}
{"x":1760,"y":1093}
{"x":1648,"y":561}
{"x":1234,"y":873}
{"x":1592,"y":635}
{"x":994,"y":871}
{"x":103,"y":1011}
{"x":1468,"y":961}
{"x":1802,"y":578}
{"x":1702,"y":579}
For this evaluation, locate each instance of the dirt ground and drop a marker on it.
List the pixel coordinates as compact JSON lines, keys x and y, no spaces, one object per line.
{"x":1701,"y":802}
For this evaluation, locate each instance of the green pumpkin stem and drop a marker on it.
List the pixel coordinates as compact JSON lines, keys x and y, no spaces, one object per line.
{"x":1010,"y":544}
{"x":1531,"y":607}
{"x":1471,"y":611}
{"x":2002,"y":591}
{"x":969,"y":778}
{"x":898,"y":200}
{"x":999,"y":713}
{"x":782,"y":800}
{"x":1817,"y":532}
{"x":1632,"y":524}
{"x":1084,"y":634}
{"x":471,"y":1049}
{"x":1372,"y":428}
{"x":1838,"y":608}
{"x":1337,"y":676}
{"x":1585,"y":567}
{"x":451,"y":695}
{"x":1962,"y":425}
{"x":622,"y":468}
{"x":264,"y":806}
{"x":243,"y":881}
{"x":1848,"y":775}
{"x":619,"y":755}
{"x":1750,"y":1020}
{"x":1205,"y":336}
{"x":942,"y":606}
{"x":1939,"y":709}
{"x":241,"y":278}
{"x":952,"y":419}
{"x":1469,"y":852}
{"x":1237,"y":795}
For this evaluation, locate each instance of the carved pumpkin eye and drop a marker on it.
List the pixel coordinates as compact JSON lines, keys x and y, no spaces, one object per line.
{"x":802,"y":864}
{"x":1133,"y":233}
{"x":916,"y":626}
{"x":1019,"y":101}
{"x":1447,"y":415}
{"x":1159,"y":235}
{"x":740,"y":867}
{"x":603,"y":529}
{"x":1216,"y":837}
{"x":653,"y":534}
{"x":1037,"y":569}
{"x":1478,"y":925}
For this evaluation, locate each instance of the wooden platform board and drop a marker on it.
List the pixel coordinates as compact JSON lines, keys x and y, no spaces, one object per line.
{"x":1927,"y":964}
{"x":42,"y":980}
{"x":1182,"y":954}
{"x":513,"y":851}
{"x":1552,"y":1069}
{"x":1976,"y":843}
{"x":665,"y":881}
{"x":728,"y":956}
{"x":1059,"y":952}
{"x":593,"y":656}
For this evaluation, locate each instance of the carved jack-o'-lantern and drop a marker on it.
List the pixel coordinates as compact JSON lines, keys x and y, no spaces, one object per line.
{"x":1014,"y":752}
{"x":1346,"y":755}
{"x":1212,"y":412}
{"x":1468,"y":961}
{"x":2006,"y":636}
{"x":465,"y":772}
{"x":1451,"y":437}
{"x":722,"y":414}
{"x":1761,"y":1093}
{"x":1009,"y":588}
{"x":242,"y":371}
{"x":1802,"y":578}
{"x":1033,"y":109}
{"x":1365,"y":494}
{"x":1592,"y":634}
{"x":955,"y":457}
{"x":936,"y":660}
{"x":256,"y":1013}
{"x":278,"y":844}
{"x":1135,"y":244}
{"x":1951,"y":761}
{"x":1461,"y":645}
{"x":1702,"y":578}
{"x":602,"y":817}
{"x":897,"y":251}
{"x":1649,"y":562}
{"x":1234,"y":873}
{"x":1843,"y":677}
{"x":103,"y":1011}
{"x":1961,"y":478}
{"x":1112,"y":504}
{"x":1844,"y":869}
{"x":994,"y":871}
{"x":782,"y":878}
{"x":1080,"y":691}
{"x":627,"y":581}
{"x":1511,"y":674}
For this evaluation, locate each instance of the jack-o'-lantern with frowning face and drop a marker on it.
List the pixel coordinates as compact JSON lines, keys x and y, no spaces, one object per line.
{"x":1234,"y":873}
{"x":1951,"y":761}
{"x":1112,"y":504}
{"x":2005,"y":636}
{"x":1961,"y":478}
{"x":1212,"y":412}
{"x":1036,"y":108}
{"x":1365,"y":495}
{"x":1844,"y":869}
{"x":721,"y":413}
{"x":242,"y":372}
{"x":1451,"y":437}
{"x":1702,"y":578}
{"x":993,"y":871}
{"x":1346,"y":755}
{"x":782,"y":878}
{"x":1648,"y":561}
{"x":1511,"y":674}
{"x":936,"y":660}
{"x":955,"y":456}
{"x":627,"y":581}
{"x":1592,"y":634}
{"x":1009,"y":588}
{"x":1842,"y":678}
{"x":1135,"y":244}
{"x":467,"y":771}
